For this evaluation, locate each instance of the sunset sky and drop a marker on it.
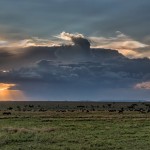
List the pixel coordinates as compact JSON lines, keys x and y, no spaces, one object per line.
{"x":75,"y":50}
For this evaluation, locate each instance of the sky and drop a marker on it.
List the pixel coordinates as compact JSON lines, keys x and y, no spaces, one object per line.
{"x":72,"y":50}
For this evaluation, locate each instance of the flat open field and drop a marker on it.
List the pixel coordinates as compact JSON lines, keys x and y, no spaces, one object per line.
{"x":74,"y":126}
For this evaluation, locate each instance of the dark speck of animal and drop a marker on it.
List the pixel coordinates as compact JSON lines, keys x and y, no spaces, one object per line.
{"x":6,"y":113}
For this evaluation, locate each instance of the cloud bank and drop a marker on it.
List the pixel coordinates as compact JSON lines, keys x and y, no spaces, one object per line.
{"x":125,"y":44}
{"x":121,"y":42}
{"x":75,"y":71}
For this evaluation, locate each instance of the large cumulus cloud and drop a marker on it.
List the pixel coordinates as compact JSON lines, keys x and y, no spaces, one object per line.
{"x":74,"y":71}
{"x":77,"y":39}
{"x":77,"y":50}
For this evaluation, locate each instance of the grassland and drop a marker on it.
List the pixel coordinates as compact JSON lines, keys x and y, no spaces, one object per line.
{"x":63,"y":126}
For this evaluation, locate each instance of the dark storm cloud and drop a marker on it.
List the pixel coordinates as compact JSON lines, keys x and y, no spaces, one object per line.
{"x":4,"y":54}
{"x":78,"y":79}
{"x":104,"y":69}
{"x":67,"y":71}
{"x":80,"y":51}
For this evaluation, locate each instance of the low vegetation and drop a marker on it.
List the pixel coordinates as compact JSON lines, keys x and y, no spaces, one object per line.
{"x":103,"y":126}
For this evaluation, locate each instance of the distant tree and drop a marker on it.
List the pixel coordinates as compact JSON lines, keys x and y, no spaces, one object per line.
{"x":121,"y":110}
{"x":18,"y":108}
{"x":9,"y":108}
{"x":103,"y":106}
{"x":31,"y":106}
{"x":109,"y":105}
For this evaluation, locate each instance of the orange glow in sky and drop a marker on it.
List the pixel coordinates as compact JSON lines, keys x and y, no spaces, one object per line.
{"x":5,"y":86}
{"x":7,"y":94}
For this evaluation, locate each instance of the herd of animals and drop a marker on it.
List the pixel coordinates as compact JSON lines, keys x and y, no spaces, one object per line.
{"x":110,"y":107}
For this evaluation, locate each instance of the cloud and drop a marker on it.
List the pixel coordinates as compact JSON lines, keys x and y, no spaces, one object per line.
{"x":33,"y":41}
{"x":72,"y":69}
{"x":143,"y":85}
{"x":77,"y":39}
{"x":121,"y":42}
{"x":77,"y":43}
{"x":78,"y":79}
{"x":3,"y":43}
{"x":69,"y":36}
{"x":98,"y":17}
{"x":46,"y":78}
{"x":110,"y":72}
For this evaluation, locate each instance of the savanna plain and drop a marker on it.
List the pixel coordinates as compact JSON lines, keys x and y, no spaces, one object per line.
{"x":74,"y":126}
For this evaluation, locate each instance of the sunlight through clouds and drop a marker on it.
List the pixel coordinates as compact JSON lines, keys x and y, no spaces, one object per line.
{"x":121,"y":42}
{"x":125,"y":44}
{"x":8,"y":94}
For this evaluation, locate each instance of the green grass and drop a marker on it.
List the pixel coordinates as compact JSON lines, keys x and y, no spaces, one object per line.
{"x":74,"y":131}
